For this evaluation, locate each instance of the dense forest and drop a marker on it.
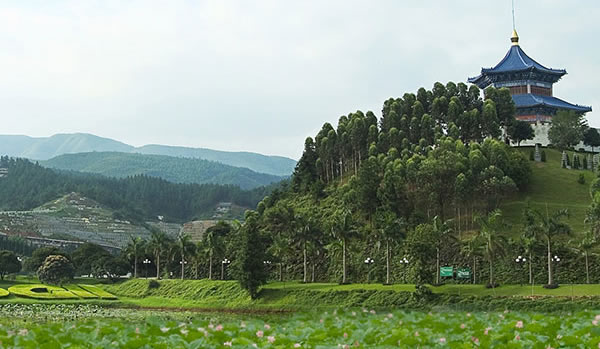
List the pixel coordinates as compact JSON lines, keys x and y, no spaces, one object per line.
{"x":173,"y":169}
{"x":139,"y":198}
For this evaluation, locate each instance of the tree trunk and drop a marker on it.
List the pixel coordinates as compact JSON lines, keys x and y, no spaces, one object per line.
{"x":587,"y":268}
{"x":387,"y":262}
{"x":312,"y":277}
{"x":343,"y":261}
{"x":550,"y":281}
{"x":158,"y":266}
{"x":280,"y":271}
{"x":530,"y":270}
{"x":182,"y":267}
{"x":459,"y":227}
{"x":437,"y":264}
{"x":305,"y":266}
{"x":474,"y":268}
{"x":135,"y":275}
{"x":492,"y":273}
{"x":210,"y":264}
{"x":222,"y":271}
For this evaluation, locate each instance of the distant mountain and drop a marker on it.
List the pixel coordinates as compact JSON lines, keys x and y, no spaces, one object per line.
{"x":48,"y":147}
{"x":173,"y":169}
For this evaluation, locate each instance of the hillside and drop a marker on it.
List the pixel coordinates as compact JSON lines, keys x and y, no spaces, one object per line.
{"x":45,"y":148}
{"x":173,"y":169}
{"x":553,"y":187}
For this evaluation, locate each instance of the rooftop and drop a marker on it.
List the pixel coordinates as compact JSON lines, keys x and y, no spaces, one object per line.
{"x":531,"y":100}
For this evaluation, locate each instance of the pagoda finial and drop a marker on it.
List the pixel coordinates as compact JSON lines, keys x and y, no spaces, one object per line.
{"x":515,"y":38}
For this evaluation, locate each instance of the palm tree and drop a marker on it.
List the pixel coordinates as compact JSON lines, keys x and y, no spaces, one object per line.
{"x":551,"y":226}
{"x":306,"y":232}
{"x":444,"y":236}
{"x":585,"y":247}
{"x":158,"y":242}
{"x":214,"y":245}
{"x":531,"y":237}
{"x":472,"y":248}
{"x":280,"y":248}
{"x":343,"y":229}
{"x":490,"y":229}
{"x":185,"y":247}
{"x":133,"y":249}
{"x":391,"y":229}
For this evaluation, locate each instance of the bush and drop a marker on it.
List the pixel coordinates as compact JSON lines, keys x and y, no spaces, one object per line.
{"x":551,"y":286}
{"x":9,"y":263}
{"x":543,"y":156}
{"x":56,"y":270}
{"x":153,"y":284}
{"x":581,"y":179}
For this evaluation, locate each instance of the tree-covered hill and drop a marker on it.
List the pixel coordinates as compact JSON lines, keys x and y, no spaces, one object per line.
{"x":138,"y":198}
{"x":45,"y":148}
{"x":173,"y":169}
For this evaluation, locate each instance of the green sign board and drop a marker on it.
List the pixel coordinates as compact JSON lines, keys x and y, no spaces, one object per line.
{"x":464,"y":273}
{"x":447,"y":271}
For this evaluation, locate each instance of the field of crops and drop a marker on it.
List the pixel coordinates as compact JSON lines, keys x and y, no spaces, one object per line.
{"x":346,"y":329}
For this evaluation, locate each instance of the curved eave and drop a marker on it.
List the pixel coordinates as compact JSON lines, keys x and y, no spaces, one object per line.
{"x":556,"y":73}
{"x":530,"y":101}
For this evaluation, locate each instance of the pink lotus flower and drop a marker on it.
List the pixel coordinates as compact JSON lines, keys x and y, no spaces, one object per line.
{"x":211,"y":326}
{"x":463,"y":326}
{"x":417,"y":334}
{"x":390,"y":315}
{"x":519,"y":324}
{"x":517,"y":338}
{"x":297,"y":345}
{"x":595,"y":322}
{"x":468,"y":314}
{"x":137,"y":330}
{"x":164,"y":329}
{"x":219,"y":328}
{"x":23,"y":332}
{"x":372,"y":312}
{"x":271,"y":339}
{"x":356,"y":344}
{"x":345,"y":335}
{"x":243,"y":324}
{"x":267,"y":327}
{"x":184,"y":331}
{"x":228,"y":344}
{"x":260,"y":334}
{"x":475,"y":340}
{"x":443,"y":340}
{"x":353,"y":313}
{"x":487,"y":330}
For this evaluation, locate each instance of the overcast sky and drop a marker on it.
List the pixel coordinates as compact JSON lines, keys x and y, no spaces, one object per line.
{"x":262,"y":75}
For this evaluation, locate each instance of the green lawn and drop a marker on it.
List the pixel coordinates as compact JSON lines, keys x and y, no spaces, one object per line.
{"x":553,"y":187}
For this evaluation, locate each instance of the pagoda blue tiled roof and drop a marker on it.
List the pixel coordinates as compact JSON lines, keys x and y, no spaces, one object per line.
{"x":531,"y":100}
{"x":516,"y":64}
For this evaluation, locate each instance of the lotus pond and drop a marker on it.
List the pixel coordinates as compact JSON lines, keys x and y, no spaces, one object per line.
{"x":85,"y":326}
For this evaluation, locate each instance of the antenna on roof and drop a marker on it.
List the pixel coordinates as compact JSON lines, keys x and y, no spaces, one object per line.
{"x":513,"y":15}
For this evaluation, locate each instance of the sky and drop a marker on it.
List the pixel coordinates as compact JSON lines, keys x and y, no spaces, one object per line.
{"x":261,"y":76}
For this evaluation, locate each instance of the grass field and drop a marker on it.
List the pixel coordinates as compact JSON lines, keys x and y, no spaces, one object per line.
{"x":552,"y":187}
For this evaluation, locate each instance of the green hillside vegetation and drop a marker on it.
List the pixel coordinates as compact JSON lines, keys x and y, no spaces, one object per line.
{"x":172,"y":169}
{"x":138,"y":198}
{"x":45,"y":148}
{"x":555,"y":187}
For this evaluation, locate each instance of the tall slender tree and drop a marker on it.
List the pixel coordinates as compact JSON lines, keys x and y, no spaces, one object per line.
{"x":343,"y":228}
{"x":491,"y":228}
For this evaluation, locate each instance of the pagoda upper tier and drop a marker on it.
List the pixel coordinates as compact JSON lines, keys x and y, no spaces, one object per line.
{"x":529,"y":82}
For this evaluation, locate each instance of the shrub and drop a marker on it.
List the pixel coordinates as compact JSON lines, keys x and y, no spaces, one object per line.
{"x":153,"y":284}
{"x":551,"y":286}
{"x":9,"y":263}
{"x":581,"y":179}
{"x":543,"y":156}
{"x":55,"y":270}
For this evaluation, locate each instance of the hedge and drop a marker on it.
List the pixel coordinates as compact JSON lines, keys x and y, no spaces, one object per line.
{"x":3,"y":293}
{"x":41,"y":292}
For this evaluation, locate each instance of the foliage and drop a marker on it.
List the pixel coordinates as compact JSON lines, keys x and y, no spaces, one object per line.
{"x":33,"y":263}
{"x":581,"y":179}
{"x":520,"y":131}
{"x":56,"y":269}
{"x":567,"y":129}
{"x":9,"y":264}
{"x":350,"y":328}
{"x":249,"y":268}
{"x":86,"y":255}
{"x":172,"y":169}
{"x":591,"y":137}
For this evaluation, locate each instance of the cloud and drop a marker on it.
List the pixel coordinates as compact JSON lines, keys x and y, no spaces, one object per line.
{"x":260,"y":75}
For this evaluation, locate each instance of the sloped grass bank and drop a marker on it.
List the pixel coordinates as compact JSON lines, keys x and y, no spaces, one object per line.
{"x":48,"y":292}
{"x":219,"y":295}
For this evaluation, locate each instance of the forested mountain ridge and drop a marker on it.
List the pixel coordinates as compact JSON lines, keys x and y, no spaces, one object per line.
{"x":138,"y":198}
{"x":48,"y":147}
{"x":173,"y":169}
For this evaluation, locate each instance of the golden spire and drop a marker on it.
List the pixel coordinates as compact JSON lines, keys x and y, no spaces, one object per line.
{"x":515,"y":38}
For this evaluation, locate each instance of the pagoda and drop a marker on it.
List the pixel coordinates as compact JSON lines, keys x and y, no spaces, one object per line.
{"x":530,"y":85}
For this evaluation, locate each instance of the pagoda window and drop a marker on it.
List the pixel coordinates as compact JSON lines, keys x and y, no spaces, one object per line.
{"x":518,"y":90}
{"x":542,"y":91}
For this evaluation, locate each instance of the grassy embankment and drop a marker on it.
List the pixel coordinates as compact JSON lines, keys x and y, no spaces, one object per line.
{"x":552,"y":187}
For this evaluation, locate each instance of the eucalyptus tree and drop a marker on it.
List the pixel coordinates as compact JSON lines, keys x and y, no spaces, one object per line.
{"x":552,"y":226}
{"x":443,"y":237}
{"x":343,"y":228}
{"x":491,"y":228}
{"x":133,"y":249}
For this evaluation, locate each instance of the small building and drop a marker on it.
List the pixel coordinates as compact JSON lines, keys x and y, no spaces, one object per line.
{"x":531,"y":87}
